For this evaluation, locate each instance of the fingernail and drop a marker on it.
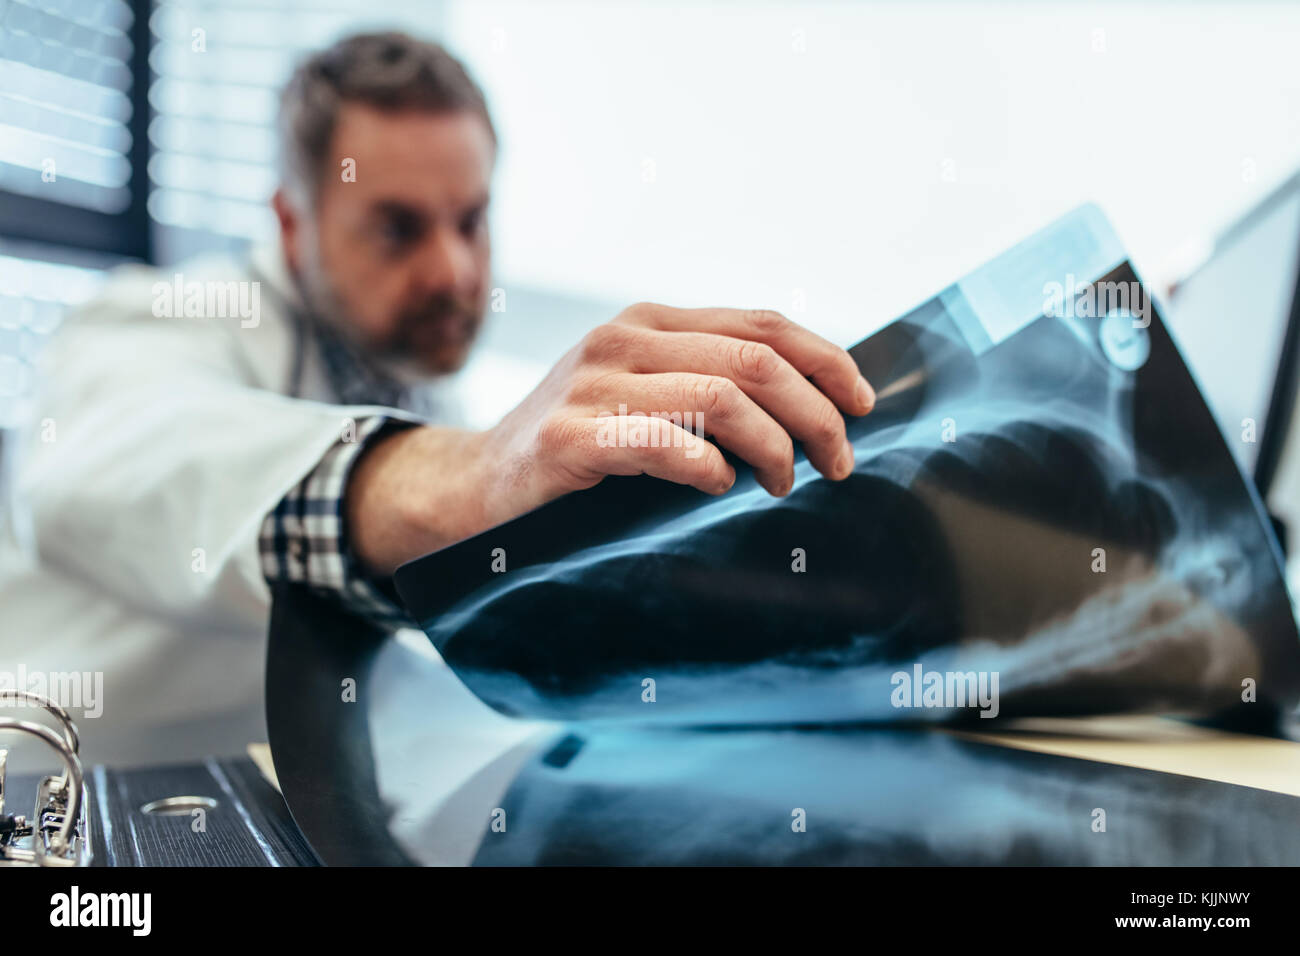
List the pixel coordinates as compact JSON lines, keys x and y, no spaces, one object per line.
{"x":866,"y":395}
{"x":844,"y":464}
{"x":728,"y":480}
{"x":780,"y":487}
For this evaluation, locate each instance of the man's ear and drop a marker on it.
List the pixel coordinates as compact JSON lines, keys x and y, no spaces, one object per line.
{"x":291,"y":226}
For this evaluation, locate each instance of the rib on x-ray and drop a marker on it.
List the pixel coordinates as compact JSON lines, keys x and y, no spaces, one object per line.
{"x":1044,"y":518}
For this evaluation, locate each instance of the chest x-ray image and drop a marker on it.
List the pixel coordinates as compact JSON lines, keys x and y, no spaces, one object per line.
{"x":1042,"y":506}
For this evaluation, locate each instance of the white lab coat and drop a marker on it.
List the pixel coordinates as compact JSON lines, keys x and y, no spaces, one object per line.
{"x":157,"y":447}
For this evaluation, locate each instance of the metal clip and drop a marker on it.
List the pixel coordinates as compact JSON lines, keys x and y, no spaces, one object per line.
{"x":58,"y":833}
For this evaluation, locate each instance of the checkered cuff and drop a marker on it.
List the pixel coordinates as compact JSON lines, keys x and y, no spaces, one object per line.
{"x":304,"y":538}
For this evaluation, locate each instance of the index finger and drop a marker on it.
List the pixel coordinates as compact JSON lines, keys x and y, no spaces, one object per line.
{"x":829,"y":367}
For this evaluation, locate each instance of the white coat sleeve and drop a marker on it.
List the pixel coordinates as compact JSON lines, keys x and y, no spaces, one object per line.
{"x":153,"y":461}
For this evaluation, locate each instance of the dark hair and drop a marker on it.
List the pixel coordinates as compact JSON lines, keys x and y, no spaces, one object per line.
{"x":391,"y":71}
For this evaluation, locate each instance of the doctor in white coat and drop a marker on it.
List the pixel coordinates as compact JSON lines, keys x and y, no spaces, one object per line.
{"x":207,"y":430}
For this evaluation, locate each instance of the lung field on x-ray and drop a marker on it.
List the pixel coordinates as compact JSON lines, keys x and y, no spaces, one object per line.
{"x":1031,"y":510}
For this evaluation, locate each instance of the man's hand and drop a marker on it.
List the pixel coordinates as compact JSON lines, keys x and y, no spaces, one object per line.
{"x":758,"y":380}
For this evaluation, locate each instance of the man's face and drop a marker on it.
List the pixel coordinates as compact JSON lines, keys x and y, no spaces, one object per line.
{"x":401,"y":256}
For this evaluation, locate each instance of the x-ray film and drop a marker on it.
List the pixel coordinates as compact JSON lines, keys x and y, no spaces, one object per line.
{"x":1044,"y":518}
{"x":872,"y":797}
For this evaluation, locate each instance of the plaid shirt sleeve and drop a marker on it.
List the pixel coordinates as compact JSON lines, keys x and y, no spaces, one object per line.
{"x":304,"y":538}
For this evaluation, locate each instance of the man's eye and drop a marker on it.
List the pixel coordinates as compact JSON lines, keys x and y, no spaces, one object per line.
{"x":399,"y":232}
{"x":471,"y":222}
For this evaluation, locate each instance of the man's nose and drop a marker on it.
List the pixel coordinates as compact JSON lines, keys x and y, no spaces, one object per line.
{"x":447,"y":262}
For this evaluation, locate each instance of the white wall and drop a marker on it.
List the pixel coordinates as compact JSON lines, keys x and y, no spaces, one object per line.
{"x":805,"y":147}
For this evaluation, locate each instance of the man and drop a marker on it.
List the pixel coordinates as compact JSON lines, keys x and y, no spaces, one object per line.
{"x":184,"y":460}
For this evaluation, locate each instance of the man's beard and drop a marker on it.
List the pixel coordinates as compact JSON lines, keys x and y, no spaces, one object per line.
{"x":435,"y":335}
{"x":430,"y":338}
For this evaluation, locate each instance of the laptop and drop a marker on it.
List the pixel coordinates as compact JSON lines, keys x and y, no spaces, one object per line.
{"x":1236,"y":317}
